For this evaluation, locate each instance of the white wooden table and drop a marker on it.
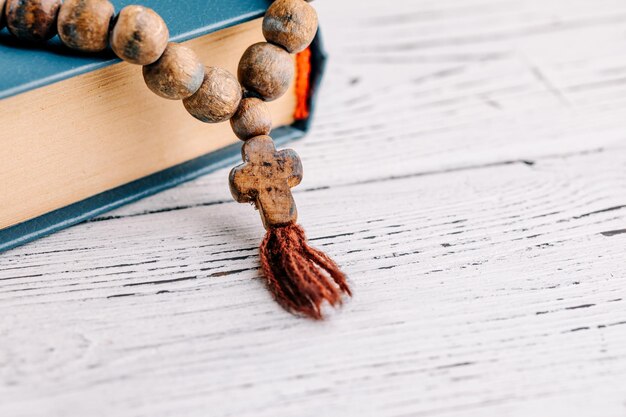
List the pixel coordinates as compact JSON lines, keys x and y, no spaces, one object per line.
{"x":468,"y":170}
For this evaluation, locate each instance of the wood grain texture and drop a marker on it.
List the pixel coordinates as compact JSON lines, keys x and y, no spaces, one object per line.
{"x":265,"y":179}
{"x":139,"y":35}
{"x":467,"y":169}
{"x":266,"y":71}
{"x":177,"y":75}
{"x":32,"y":20}
{"x":84,"y":24}
{"x":251,"y":119}
{"x":218,"y":98}
{"x":291,"y":24}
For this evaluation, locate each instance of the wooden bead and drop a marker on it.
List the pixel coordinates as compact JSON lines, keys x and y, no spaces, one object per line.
{"x":84,"y":24}
{"x":266,"y":178}
{"x":217,"y":99}
{"x":139,"y":36}
{"x":252,"y":119}
{"x":266,"y":70}
{"x":291,"y":24}
{"x":32,"y":20}
{"x":178,"y":74}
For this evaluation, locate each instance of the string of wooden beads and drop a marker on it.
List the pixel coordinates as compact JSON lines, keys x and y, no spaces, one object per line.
{"x":300,"y":277}
{"x":138,"y":35}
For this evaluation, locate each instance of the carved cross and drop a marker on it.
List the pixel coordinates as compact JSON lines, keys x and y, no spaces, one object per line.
{"x":266,"y":178}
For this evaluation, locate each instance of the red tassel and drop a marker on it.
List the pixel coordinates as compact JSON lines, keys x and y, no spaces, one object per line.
{"x":300,"y":277}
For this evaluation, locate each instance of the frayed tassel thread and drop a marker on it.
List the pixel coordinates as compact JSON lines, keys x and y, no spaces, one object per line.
{"x":300,"y":277}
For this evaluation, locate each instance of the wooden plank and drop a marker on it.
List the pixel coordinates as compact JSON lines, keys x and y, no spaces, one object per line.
{"x":477,"y":150}
{"x":497,"y":289}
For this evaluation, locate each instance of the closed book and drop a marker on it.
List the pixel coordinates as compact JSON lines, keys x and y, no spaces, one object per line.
{"x":82,"y":134}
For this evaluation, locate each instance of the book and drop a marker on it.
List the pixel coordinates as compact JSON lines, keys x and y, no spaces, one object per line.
{"x":82,"y":134}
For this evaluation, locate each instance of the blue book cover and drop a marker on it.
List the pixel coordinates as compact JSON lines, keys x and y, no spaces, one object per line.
{"x":26,"y":67}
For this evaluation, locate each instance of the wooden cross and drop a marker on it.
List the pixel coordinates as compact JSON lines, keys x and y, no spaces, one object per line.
{"x":266,"y":178}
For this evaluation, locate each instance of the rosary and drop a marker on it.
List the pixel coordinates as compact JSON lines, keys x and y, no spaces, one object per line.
{"x":300,"y":277}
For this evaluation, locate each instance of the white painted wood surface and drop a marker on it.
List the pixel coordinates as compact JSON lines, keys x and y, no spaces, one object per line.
{"x":468,"y":170}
